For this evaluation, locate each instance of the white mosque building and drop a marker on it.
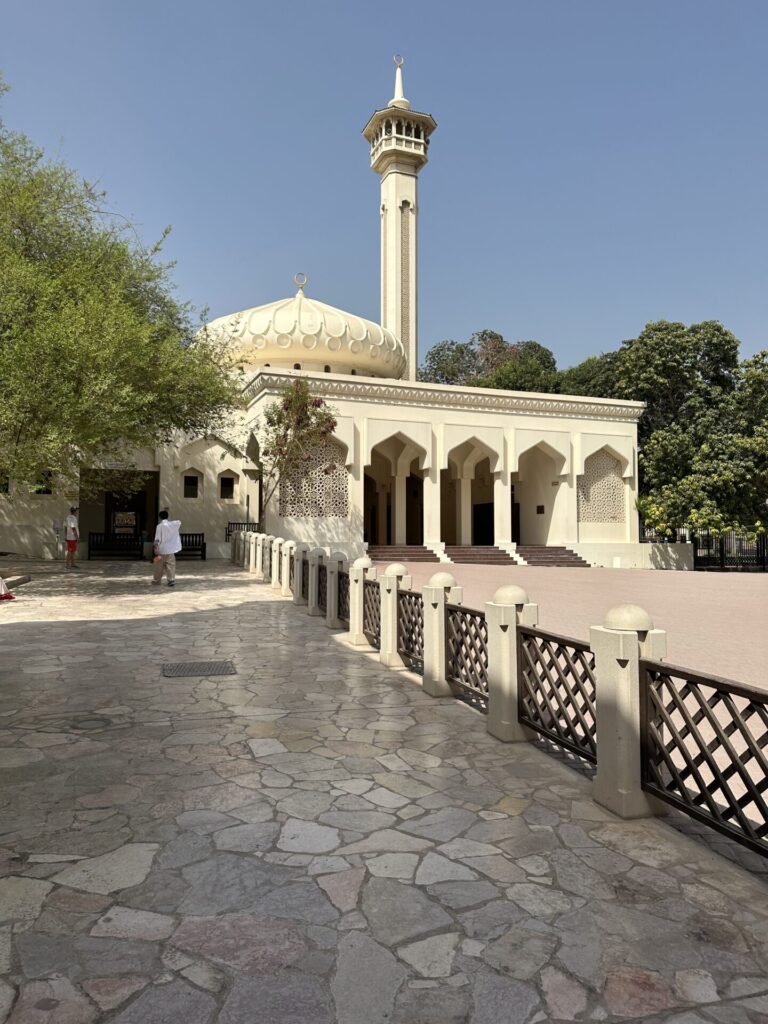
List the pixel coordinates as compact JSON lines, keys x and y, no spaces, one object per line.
{"x":440,"y":470}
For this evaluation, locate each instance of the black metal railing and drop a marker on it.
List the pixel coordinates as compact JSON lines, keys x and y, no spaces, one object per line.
{"x":322,"y":587}
{"x":557,"y":690}
{"x":705,"y":749}
{"x":305,"y":579}
{"x":466,"y":655}
{"x":372,"y":613}
{"x":115,"y":545}
{"x":410,"y":629}
{"x":344,"y":597}
{"x":240,"y":528}
{"x":730,"y":551}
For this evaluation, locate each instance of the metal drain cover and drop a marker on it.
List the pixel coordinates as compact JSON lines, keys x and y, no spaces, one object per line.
{"x":199,"y":668}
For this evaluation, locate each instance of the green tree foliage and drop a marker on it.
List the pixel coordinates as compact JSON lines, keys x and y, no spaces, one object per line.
{"x":449,"y":362}
{"x":291,"y":429}
{"x":97,"y":356}
{"x":595,"y":376}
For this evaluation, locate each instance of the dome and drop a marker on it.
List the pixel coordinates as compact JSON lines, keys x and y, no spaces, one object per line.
{"x":302,"y":333}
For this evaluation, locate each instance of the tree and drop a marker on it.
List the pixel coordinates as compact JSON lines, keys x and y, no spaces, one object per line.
{"x":97,"y":356}
{"x":449,"y":362}
{"x":595,"y":376}
{"x":522,"y":373}
{"x":292,"y":429}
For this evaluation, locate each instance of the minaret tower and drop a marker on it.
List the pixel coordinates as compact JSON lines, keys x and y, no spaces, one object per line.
{"x":399,"y":139}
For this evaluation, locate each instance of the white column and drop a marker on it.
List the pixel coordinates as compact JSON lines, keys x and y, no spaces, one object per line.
{"x":399,"y":503}
{"x":432,"y":506}
{"x":316,"y":557}
{"x":299,"y":554}
{"x":245,"y":554}
{"x":391,"y":580}
{"x":440,"y":590}
{"x":277,"y":544}
{"x":251,"y":539}
{"x":626,"y":636}
{"x":287,"y":556}
{"x":464,"y":510}
{"x":362,"y":569}
{"x":336,"y":562}
{"x":508,"y":610}
{"x":502,"y":509}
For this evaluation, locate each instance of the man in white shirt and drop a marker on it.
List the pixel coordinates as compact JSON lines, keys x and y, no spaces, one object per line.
{"x":167,"y":546}
{"x":71,"y":538}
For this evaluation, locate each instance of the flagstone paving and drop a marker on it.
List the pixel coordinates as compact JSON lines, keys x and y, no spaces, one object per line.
{"x":315,"y":840}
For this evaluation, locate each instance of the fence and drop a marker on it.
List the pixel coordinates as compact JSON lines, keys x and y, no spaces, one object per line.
{"x":233,"y":528}
{"x":729,"y":551}
{"x":654,"y":734}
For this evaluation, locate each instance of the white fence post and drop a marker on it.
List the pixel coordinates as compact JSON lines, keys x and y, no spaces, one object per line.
{"x":277,"y":544}
{"x":316,"y":557}
{"x":508,"y":610}
{"x":299,"y":554}
{"x":266,"y":554}
{"x":394,"y":578}
{"x":361,"y":569}
{"x":249,"y":540}
{"x":626,"y":636}
{"x":440,"y":590}
{"x":259,"y":564}
{"x":336,"y":562}
{"x":287,"y":556}
{"x":244,"y":553}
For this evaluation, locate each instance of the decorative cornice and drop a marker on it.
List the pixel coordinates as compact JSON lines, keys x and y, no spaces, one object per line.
{"x":440,"y":396}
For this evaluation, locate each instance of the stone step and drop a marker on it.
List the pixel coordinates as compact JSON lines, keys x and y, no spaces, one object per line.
{"x":485,"y":554}
{"x":401,"y":553}
{"x":556,"y":557}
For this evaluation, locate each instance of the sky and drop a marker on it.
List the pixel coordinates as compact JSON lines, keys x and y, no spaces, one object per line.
{"x":597,"y":163}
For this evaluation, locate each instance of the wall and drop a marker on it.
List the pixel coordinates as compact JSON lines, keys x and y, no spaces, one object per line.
{"x":637,"y":556}
{"x":26,"y":521}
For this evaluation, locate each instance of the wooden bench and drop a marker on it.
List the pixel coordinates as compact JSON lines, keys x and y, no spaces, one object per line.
{"x":115,"y":545}
{"x":192,"y":546}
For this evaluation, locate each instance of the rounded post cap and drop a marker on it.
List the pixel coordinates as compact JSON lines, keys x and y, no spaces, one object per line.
{"x":510,"y":594}
{"x":396,"y":569}
{"x":628,"y":617}
{"x":442,"y":579}
{"x":290,"y":544}
{"x":279,"y":540}
{"x":317,"y":553}
{"x":337,"y":556}
{"x":363,"y":562}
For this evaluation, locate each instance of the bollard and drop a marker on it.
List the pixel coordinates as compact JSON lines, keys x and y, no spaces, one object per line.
{"x":299,"y":554}
{"x":508,"y":610}
{"x":626,"y":636}
{"x":287,"y":556}
{"x":336,"y":563}
{"x":440,"y":590}
{"x":244,"y":553}
{"x":316,"y":558}
{"x":394,"y":578}
{"x":362,"y":569}
{"x":275,"y":563}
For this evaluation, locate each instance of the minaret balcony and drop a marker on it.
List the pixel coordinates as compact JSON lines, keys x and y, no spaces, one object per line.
{"x":400,"y":144}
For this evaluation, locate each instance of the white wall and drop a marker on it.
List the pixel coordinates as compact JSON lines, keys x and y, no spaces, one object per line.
{"x":636,"y":556}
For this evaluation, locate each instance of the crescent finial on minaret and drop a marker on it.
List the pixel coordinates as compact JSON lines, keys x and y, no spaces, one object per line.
{"x":399,"y":100}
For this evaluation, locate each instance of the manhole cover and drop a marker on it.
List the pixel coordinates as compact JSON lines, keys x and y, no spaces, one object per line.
{"x":199,"y":668}
{"x":91,"y":723}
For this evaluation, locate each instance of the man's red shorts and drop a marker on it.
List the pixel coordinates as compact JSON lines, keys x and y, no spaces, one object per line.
{"x":72,"y":545}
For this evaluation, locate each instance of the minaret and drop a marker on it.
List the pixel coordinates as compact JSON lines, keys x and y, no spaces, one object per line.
{"x":399,"y":139}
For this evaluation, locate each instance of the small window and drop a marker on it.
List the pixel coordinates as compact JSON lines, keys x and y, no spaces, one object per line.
{"x":227,"y":488}
{"x":539,"y":510}
{"x":191,"y":486}
{"x":297,"y":366}
{"x":326,"y":369}
{"x":353,"y":372}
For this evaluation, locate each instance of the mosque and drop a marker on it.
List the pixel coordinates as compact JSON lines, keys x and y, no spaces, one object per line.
{"x":450,"y":473}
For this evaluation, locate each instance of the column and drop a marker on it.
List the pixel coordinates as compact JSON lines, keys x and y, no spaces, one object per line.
{"x":432,"y":506}
{"x":361,"y":569}
{"x":382,"y":490}
{"x":440,"y":590}
{"x":508,"y":610}
{"x":464,"y":510}
{"x":502,"y":509}
{"x":287,"y":556}
{"x":394,"y":578}
{"x":399,"y":504}
{"x":626,"y":635}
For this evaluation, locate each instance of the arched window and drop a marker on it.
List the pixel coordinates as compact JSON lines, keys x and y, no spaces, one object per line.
{"x":297,"y":366}
{"x":326,"y":369}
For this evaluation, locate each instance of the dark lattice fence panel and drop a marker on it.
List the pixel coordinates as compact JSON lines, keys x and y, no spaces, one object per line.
{"x":466,"y":661}
{"x":305,"y":579}
{"x":266,"y":561}
{"x":557,"y":690}
{"x":344,"y":597}
{"x":291,"y":571}
{"x":280,"y":564}
{"x":322,"y":587}
{"x":410,"y":629}
{"x":705,"y":749}
{"x":372,"y":613}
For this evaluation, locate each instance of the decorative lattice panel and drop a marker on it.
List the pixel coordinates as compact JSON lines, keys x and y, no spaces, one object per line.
{"x":601,"y":490}
{"x":305,"y":579}
{"x":291,"y":571}
{"x":467,"y":651}
{"x":279,"y":557}
{"x":372,"y":613}
{"x":557,"y":690}
{"x":344,"y":596}
{"x":322,"y":588}
{"x":705,"y":749}
{"x":410,"y":629}
{"x":319,"y":487}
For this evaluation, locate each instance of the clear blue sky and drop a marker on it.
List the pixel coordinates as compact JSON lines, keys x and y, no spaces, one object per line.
{"x":597,"y":163}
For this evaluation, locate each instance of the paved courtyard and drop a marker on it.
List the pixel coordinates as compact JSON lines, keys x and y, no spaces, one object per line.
{"x":315,"y":840}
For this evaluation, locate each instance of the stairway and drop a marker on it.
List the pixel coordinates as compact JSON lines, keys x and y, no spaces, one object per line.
{"x":540,"y":554}
{"x":478,"y":555}
{"x":400,"y":553}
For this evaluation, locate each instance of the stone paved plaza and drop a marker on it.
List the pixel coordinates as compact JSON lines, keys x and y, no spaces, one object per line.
{"x":315,"y":840}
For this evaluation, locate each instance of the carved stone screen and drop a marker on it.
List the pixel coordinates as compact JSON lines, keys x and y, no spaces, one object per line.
{"x":319,"y":488}
{"x":601,"y":490}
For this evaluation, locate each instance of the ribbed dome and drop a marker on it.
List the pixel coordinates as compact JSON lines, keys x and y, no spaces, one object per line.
{"x":313,"y":335}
